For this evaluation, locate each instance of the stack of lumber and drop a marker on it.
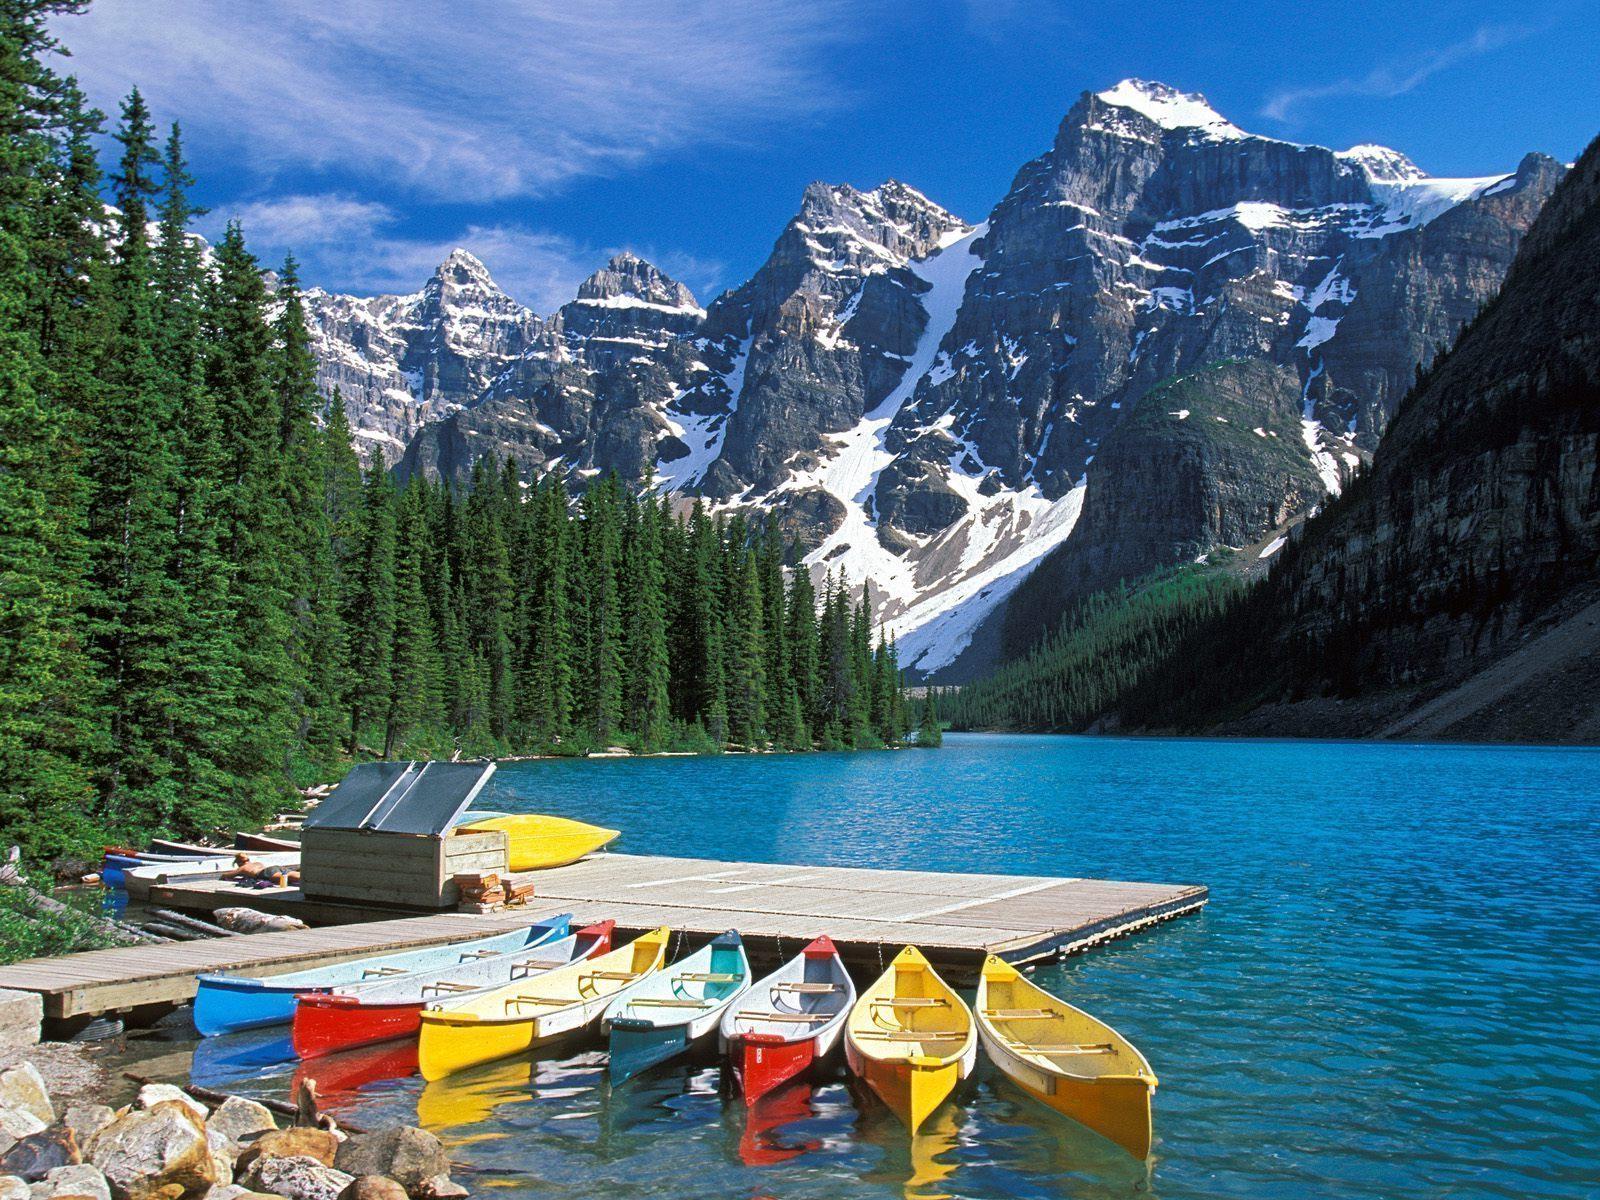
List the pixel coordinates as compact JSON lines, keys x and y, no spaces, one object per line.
{"x":491,"y":891}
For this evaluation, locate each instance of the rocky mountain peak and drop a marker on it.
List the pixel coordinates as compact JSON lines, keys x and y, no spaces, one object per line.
{"x":892,"y":217}
{"x":1383,"y":164}
{"x":1169,"y":108}
{"x":628,"y":280}
{"x":463,"y":268}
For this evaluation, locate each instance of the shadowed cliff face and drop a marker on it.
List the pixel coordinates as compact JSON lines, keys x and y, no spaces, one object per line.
{"x":1482,"y":507}
{"x":1479,"y":517}
{"x":940,"y":407}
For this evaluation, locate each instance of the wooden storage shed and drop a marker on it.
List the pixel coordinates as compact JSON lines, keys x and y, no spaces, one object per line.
{"x":386,"y":835}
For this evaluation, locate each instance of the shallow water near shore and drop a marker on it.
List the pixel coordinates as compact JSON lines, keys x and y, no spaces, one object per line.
{"x":1395,"y":989}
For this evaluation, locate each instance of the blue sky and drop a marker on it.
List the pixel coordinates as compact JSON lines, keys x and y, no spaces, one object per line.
{"x":372,"y":135}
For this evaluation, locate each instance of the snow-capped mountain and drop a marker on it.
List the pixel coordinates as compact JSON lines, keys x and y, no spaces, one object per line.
{"x":1169,"y":335}
{"x":401,"y":361}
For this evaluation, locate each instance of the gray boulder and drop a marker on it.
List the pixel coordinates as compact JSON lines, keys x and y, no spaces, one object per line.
{"x":144,"y":1152}
{"x":22,"y":1089}
{"x":87,"y":1120}
{"x":83,"y":1179}
{"x":240,"y":1122}
{"x":411,"y":1157}
{"x":152,"y":1094}
{"x":298,"y":1178}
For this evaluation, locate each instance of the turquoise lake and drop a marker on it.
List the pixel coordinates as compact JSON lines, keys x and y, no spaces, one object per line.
{"x":1395,"y":990}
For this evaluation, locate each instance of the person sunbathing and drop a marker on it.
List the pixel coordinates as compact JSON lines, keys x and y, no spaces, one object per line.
{"x":246,"y":868}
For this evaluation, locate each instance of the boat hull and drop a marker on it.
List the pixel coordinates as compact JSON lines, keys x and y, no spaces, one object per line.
{"x":224,"y":1005}
{"x":537,"y":843}
{"x":636,"y":1046}
{"x":912,"y":1088}
{"x":451,"y":1043}
{"x":762,"y":1063}
{"x":911,"y":1039}
{"x":1117,"y":1108}
{"x":329,"y":1023}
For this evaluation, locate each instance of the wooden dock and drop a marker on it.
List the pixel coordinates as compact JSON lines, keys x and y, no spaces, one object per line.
{"x":870,"y":913}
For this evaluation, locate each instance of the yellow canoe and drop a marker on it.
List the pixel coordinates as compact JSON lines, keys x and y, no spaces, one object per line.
{"x":485,"y":1026}
{"x":1062,"y":1056}
{"x":538,"y":842}
{"x":910,"y":1038}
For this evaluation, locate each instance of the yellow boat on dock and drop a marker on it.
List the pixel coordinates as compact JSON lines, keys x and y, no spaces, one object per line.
{"x":1079,"y":1066}
{"x":485,"y":1026}
{"x":539,"y":842}
{"x":911,"y":1039}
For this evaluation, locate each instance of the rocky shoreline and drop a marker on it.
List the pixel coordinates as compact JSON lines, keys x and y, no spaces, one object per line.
{"x":172,"y":1143}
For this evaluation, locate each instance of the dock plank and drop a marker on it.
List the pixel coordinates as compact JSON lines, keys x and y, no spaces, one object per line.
{"x":870,"y":912}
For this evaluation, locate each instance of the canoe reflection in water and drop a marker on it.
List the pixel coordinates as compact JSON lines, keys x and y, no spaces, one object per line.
{"x":773,"y":1130}
{"x":918,"y":1165}
{"x":341,"y":1078}
{"x":223,"y":1063}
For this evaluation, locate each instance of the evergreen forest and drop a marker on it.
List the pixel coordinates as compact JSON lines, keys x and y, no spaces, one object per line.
{"x":204,"y":599}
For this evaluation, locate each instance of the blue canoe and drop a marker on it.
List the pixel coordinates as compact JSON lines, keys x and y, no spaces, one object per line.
{"x":667,"y":1012}
{"x":227,"y":1003}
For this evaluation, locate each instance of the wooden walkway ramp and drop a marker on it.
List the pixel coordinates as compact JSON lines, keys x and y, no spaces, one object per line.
{"x":870,"y":913}
{"x":97,"y":981}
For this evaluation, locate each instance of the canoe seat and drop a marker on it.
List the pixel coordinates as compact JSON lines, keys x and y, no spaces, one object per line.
{"x":533,"y":964}
{"x":709,"y":977}
{"x":649,"y":1002}
{"x":1020,"y":1014}
{"x":910,"y":1035}
{"x":443,"y":986}
{"x":807,"y":989}
{"x":911,"y":1002}
{"x":623,"y":975}
{"x":383,"y":971}
{"x":1063,"y":1047}
{"x":813,"y":1018}
{"x":519,"y":1001}
{"x":480,"y":954}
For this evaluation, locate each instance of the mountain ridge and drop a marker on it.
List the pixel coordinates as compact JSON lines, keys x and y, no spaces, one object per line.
{"x":1152,"y":241}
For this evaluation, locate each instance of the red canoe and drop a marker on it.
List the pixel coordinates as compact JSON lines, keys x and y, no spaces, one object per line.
{"x":788,"y":1021}
{"x":364,"y":1014}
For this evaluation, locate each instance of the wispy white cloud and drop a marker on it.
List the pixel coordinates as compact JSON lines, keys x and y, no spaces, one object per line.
{"x":351,"y":245}
{"x":475,"y":99}
{"x":1395,"y":79}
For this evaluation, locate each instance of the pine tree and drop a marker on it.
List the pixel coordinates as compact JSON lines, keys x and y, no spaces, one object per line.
{"x":413,"y":667}
{"x":317,"y":634}
{"x":253,"y":518}
{"x":930,"y":732}
{"x":370,"y":615}
{"x":745,"y":679}
{"x":646,"y":713}
{"x":602,"y":643}
{"x":547,"y":666}
{"x":135,"y":606}
{"x":47,"y":735}
{"x":803,"y":650}
{"x":340,"y":491}
{"x":206,"y":652}
{"x":486,"y":575}
{"x":701,"y":617}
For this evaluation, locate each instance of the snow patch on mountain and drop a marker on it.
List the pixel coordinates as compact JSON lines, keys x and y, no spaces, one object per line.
{"x":859,"y":454}
{"x":935,"y":631}
{"x":1170,"y":108}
